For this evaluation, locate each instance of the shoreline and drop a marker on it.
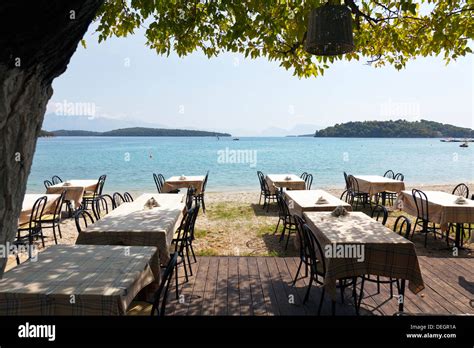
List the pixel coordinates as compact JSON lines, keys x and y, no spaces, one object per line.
{"x":444,"y":186}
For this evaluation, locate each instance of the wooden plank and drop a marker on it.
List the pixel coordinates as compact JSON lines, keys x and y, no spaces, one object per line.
{"x":449,"y":297}
{"x":220,"y":306}
{"x":278,"y":287}
{"x":262,"y":285}
{"x":200,"y":276}
{"x":233,"y":301}
{"x":186,"y":289}
{"x":209,"y":297}
{"x":271,"y":302}
{"x":245,"y":297}
{"x":293,"y":297}
{"x":256,"y":289}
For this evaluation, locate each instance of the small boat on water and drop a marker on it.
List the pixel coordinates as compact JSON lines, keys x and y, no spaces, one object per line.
{"x":235,"y":139}
{"x":465,"y":144}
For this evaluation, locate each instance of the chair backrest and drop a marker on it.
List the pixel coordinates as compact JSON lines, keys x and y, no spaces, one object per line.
{"x":399,"y":177}
{"x":118,"y":198}
{"x":85,"y":217}
{"x":261,"y":179}
{"x":380,"y":212}
{"x":282,"y":211}
{"x":461,"y":190}
{"x":421,"y":203}
{"x":389,"y":174}
{"x":264,"y":184}
{"x":101,"y":204}
{"x":299,"y":230}
{"x":127,"y":197}
{"x":346,"y":179}
{"x":47,"y":183}
{"x":314,"y":250}
{"x":308,"y":181}
{"x":402,"y":226}
{"x":190,"y":197}
{"x":158,"y":184}
{"x":56,"y":180}
{"x":100,"y":185}
{"x":59,"y":205}
{"x":187,"y":230}
{"x":161,"y":295}
{"x":346,"y":197}
{"x":303,"y":175}
{"x":36,"y":212}
{"x":204,"y":184}
{"x":353,"y":184}
{"x":162,"y":179}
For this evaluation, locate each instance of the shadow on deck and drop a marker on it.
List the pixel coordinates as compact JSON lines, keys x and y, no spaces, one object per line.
{"x":224,"y":285}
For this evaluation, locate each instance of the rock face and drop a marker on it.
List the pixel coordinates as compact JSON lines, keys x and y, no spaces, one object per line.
{"x":38,"y":39}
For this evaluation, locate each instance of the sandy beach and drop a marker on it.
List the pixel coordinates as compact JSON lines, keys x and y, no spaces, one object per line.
{"x":235,"y":224}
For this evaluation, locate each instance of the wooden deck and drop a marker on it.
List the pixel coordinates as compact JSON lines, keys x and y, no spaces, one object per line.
{"x":262,"y":286}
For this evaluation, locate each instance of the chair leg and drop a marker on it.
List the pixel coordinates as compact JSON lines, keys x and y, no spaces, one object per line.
{"x":361,"y":291}
{"x":183,"y":259}
{"x":203,"y":204}
{"x":354,"y":294}
{"x":282,"y":235}
{"x":321,"y":301}
{"x":298,"y":271}
{"x":59,"y":230}
{"x":54,"y":234}
{"x":42,"y":236}
{"x":192,"y":252}
{"x":177,"y":281}
{"x":189,"y":260}
{"x":288,"y":238}
{"x":378,"y":284}
{"x":278,"y":225}
{"x":308,"y":290}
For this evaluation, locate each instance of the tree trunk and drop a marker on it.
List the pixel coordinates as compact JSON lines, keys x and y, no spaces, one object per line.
{"x":37,"y":40}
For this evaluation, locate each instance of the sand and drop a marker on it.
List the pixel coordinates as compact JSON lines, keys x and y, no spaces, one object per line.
{"x":235,"y":224}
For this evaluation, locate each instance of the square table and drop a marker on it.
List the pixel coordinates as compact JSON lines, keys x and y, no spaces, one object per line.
{"x":442,"y":210}
{"x":74,"y":189}
{"x":176,"y":182}
{"x":77,"y":280}
{"x":132,"y":224}
{"x":385,"y":253}
{"x":29,"y":200}
{"x":281,"y":181}
{"x":300,"y":201}
{"x":373,"y":184}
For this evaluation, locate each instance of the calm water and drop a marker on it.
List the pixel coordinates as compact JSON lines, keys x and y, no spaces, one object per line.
{"x":130,"y":161}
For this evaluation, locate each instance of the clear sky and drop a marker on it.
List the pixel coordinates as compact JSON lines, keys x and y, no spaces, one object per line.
{"x":126,"y":80}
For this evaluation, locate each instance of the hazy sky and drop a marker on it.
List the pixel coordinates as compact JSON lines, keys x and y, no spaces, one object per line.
{"x":124,"y":79}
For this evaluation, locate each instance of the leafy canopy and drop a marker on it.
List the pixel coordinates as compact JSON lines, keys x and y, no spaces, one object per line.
{"x":385,"y":32}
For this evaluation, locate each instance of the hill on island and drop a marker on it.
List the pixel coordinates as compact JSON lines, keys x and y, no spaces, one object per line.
{"x":395,"y":129}
{"x":141,"y":132}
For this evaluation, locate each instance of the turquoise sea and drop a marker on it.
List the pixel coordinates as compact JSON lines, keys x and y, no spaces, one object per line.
{"x":130,"y":161}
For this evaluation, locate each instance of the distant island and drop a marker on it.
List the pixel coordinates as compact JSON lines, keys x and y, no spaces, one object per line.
{"x":44,"y":133}
{"x":140,"y":132}
{"x":394,"y":129}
